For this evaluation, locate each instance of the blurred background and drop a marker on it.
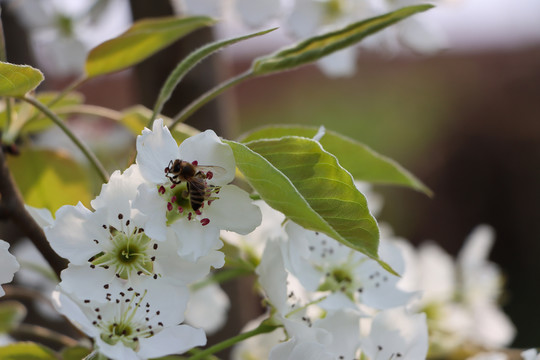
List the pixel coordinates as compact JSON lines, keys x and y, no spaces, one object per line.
{"x":464,"y":119}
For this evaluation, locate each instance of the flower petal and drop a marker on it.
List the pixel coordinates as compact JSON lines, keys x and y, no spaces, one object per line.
{"x":8,"y":265}
{"x":234,"y":211}
{"x":172,"y":340}
{"x":155,"y":149}
{"x":208,"y":150}
{"x":257,"y":12}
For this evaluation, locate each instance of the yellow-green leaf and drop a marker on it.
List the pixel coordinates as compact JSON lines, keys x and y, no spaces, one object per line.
{"x":298,"y":177}
{"x":12,"y":314}
{"x":26,"y":351}
{"x":143,"y":39}
{"x":49,"y":179}
{"x":363,"y":163}
{"x":17,"y":80}
{"x":314,"y":48}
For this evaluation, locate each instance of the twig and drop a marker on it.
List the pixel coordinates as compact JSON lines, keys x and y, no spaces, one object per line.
{"x":13,"y":206}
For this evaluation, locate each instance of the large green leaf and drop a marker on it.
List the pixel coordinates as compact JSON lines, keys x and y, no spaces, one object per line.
{"x":143,"y":39}
{"x":298,"y":177}
{"x":190,"y":61}
{"x":12,"y":314}
{"x":363,"y":163}
{"x":17,"y":80}
{"x":26,"y":351}
{"x":49,"y":179}
{"x":314,"y":48}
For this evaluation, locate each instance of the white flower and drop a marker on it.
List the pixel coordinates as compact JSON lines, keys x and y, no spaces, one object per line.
{"x":460,"y":297}
{"x":324,"y":264}
{"x":218,"y":206}
{"x":310,"y":335}
{"x":253,"y":243}
{"x":396,"y":334}
{"x":110,"y":245}
{"x":530,"y":354}
{"x":129,"y":326}
{"x":207,"y":308}
{"x":8,"y":265}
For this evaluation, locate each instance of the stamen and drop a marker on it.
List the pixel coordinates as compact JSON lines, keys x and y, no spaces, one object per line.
{"x":205,"y":221}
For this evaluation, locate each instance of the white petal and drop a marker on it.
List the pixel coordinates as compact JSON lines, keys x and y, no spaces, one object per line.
{"x":75,"y":281}
{"x":257,"y":12}
{"x":72,"y":234}
{"x":155,"y":149}
{"x":530,"y":354}
{"x":273,"y":277}
{"x":342,"y":63}
{"x":344,"y":325}
{"x":117,"y":351}
{"x":172,"y":340}
{"x":203,"y":7}
{"x":42,"y":216}
{"x":119,"y":191}
{"x":72,"y":310}
{"x":8,"y":265}
{"x":194,"y":240}
{"x":233,"y":211}
{"x":208,"y":150}
{"x":297,"y":350}
{"x":154,"y":207}
{"x":306,"y":18}
{"x":207,"y":308}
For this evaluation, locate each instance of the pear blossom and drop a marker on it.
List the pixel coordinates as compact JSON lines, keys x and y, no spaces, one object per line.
{"x":110,"y":245}
{"x":460,"y":297}
{"x":207,"y":308}
{"x":396,"y":334}
{"x":8,"y":265}
{"x":311,"y":333}
{"x":223,"y":206}
{"x":530,"y":354}
{"x":130,"y":326}
{"x":324,"y":264}
{"x":252,"y":244}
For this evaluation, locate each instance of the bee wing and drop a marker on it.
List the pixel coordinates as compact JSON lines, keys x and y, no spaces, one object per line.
{"x":216,"y":171}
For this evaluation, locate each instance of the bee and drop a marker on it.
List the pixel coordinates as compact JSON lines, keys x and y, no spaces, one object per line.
{"x":195,"y":177}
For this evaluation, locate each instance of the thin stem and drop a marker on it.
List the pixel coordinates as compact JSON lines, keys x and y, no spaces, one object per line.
{"x":13,"y":202}
{"x":207,"y":96}
{"x":85,"y":150}
{"x":93,"y":110}
{"x":25,"y":330}
{"x":66,"y":90}
{"x":261,"y":329}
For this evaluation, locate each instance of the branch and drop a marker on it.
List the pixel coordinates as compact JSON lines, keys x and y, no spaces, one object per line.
{"x":13,"y":206}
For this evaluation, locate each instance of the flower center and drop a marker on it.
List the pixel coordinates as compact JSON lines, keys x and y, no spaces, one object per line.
{"x":334,"y":8}
{"x":187,"y":199}
{"x":129,"y":252}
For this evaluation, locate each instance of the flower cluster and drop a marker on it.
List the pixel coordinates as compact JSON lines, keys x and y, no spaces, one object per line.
{"x":336,"y":303}
{"x":152,"y":231}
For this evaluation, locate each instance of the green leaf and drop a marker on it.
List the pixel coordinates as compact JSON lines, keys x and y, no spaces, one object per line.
{"x":190,"y":61}
{"x":143,"y":39}
{"x":314,"y":48}
{"x":49,"y":179}
{"x":17,"y":80}
{"x":12,"y":314}
{"x":136,"y":119}
{"x":26,"y":119}
{"x":26,"y":351}
{"x":75,"y":353}
{"x":298,"y":177}
{"x":363,"y":163}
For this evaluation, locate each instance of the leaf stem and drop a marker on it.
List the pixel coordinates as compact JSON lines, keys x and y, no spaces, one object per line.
{"x":85,"y":149}
{"x":263,"y":328}
{"x":209,"y":95}
{"x":67,"y":89}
